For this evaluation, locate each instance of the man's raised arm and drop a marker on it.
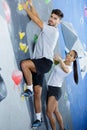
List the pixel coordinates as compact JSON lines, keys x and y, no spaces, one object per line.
{"x":33,"y":10}
{"x":33,"y":14}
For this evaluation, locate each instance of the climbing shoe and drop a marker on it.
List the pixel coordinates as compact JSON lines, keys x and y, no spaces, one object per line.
{"x":27,"y":93}
{"x":36,"y":123}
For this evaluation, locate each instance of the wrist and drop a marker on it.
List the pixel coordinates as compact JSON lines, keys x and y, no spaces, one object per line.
{"x":60,"y":60}
{"x":30,"y":4}
{"x":27,"y":9}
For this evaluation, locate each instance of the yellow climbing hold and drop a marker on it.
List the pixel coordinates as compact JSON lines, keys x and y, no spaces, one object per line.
{"x":20,"y":7}
{"x":23,"y":47}
{"x":21,"y":35}
{"x":27,"y":3}
{"x":25,"y":87}
{"x":26,"y":49}
{"x":22,"y":97}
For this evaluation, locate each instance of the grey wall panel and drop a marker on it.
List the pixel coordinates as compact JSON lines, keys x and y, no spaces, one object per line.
{"x":18,"y":114}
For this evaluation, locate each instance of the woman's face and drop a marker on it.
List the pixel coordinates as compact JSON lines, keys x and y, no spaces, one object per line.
{"x":70,"y":56}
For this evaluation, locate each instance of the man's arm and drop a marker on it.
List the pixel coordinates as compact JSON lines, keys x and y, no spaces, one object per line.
{"x":33,"y":10}
{"x":33,"y":16}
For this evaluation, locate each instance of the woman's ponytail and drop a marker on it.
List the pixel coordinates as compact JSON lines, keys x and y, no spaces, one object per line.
{"x":75,"y":72}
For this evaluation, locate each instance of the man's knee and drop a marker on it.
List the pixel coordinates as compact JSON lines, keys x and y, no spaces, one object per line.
{"x":23,"y":64}
{"x":37,"y":92}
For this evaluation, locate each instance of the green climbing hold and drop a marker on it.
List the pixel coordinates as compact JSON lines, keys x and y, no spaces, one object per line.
{"x":56,"y":62}
{"x":47,"y":1}
{"x":35,"y":38}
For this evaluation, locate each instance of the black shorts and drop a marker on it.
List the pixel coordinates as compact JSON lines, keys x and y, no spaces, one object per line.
{"x":37,"y":79}
{"x":54,"y":91}
{"x":42,"y":65}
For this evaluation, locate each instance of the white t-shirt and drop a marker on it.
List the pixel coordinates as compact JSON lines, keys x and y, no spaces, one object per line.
{"x":58,"y":75}
{"x":46,"y":42}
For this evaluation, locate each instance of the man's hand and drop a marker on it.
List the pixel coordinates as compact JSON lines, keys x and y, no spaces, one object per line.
{"x":30,"y":2}
{"x":24,"y":6}
{"x":32,"y":13}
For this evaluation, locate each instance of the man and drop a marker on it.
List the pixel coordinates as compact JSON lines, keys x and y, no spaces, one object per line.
{"x":34,"y":69}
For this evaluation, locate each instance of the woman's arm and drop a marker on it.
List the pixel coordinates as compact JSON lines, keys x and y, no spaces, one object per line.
{"x":63,"y":65}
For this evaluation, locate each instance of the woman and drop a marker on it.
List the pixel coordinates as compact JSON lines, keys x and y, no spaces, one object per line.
{"x":55,"y":81}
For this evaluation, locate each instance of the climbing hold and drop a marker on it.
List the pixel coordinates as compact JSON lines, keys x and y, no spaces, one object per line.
{"x":21,"y":35}
{"x":20,"y":7}
{"x":47,"y":1}
{"x":56,"y":62}
{"x":17,"y":77}
{"x":23,"y":47}
{"x":26,"y":49}
{"x":35,"y":38}
{"x":27,"y":3}
{"x":22,"y":97}
{"x":25,"y":86}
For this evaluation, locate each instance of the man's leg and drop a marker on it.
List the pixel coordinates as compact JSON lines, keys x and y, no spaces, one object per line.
{"x":37,"y":105}
{"x":28,"y":67}
{"x":37,"y":98}
{"x":51,"y":104}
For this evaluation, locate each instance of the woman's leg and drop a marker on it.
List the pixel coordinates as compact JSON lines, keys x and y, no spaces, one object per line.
{"x":51,"y":105}
{"x":58,"y":116}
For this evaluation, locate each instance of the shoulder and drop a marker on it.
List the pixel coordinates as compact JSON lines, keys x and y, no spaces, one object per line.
{"x":69,"y":67}
{"x":46,"y":26}
{"x":50,"y":29}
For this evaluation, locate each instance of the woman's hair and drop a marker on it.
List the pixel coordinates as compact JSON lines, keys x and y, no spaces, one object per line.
{"x":75,"y":71}
{"x":58,"y":13}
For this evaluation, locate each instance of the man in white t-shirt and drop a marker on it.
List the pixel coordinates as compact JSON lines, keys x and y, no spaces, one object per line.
{"x":34,"y":69}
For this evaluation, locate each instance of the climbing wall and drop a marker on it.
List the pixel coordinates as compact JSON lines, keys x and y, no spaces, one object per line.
{"x":17,"y":40}
{"x":13,"y":111}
